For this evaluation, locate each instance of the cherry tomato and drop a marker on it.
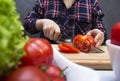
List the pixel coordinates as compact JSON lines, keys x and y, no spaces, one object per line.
{"x":83,"y":42}
{"x":59,"y":79}
{"x":27,"y":73}
{"x":64,"y":47}
{"x":38,"y":51}
{"x":55,"y":73}
{"x":115,"y":32}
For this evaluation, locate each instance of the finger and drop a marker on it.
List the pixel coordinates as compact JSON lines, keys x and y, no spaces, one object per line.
{"x":89,"y":33}
{"x":98,"y":44}
{"x":98,"y":39}
{"x":45,"y":32}
{"x":51,"y":35}
{"x":49,"y":32}
{"x":57,"y":33}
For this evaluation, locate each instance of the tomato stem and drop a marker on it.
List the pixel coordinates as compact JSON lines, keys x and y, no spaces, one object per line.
{"x":62,"y":74}
{"x":64,"y":69}
{"x":43,"y":68}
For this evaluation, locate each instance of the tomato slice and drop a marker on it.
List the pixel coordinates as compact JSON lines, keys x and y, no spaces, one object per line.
{"x":82,"y":42}
{"x":64,"y":47}
{"x":72,"y":48}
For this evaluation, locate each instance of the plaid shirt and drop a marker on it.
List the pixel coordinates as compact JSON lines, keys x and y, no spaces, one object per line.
{"x":82,"y":16}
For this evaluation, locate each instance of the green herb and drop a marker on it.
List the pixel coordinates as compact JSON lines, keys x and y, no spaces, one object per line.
{"x":11,"y":42}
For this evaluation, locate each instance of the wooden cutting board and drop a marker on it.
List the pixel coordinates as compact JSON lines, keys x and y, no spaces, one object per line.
{"x":92,"y":60}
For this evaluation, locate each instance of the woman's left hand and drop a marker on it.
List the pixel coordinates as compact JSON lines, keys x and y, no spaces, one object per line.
{"x":98,"y":35}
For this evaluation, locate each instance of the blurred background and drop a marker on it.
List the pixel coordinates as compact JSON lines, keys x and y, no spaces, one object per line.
{"x":109,"y":7}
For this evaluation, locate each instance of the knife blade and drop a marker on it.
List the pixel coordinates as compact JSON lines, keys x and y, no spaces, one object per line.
{"x":63,"y":38}
{"x":96,"y":50}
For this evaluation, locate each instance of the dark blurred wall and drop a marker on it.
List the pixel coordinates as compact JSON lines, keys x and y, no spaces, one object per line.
{"x":111,"y":9}
{"x":24,"y":6}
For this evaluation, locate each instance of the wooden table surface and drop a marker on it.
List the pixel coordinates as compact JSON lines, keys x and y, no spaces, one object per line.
{"x":92,"y":60}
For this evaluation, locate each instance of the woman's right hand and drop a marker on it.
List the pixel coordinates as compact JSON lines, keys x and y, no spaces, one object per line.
{"x":50,"y":28}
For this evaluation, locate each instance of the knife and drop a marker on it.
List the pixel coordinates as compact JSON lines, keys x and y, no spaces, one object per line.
{"x":96,"y":50}
{"x":63,"y":38}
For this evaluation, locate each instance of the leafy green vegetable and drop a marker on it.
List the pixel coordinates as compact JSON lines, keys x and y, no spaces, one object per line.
{"x":11,"y":42}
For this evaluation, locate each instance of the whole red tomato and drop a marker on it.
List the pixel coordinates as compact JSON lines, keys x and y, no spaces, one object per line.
{"x":115,"y":34}
{"x":83,"y":42}
{"x":59,"y":79}
{"x":27,"y":73}
{"x":38,"y":51}
{"x":54,"y":72}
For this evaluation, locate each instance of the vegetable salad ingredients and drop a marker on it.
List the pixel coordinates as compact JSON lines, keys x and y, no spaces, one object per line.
{"x":11,"y":43}
{"x":33,"y":73}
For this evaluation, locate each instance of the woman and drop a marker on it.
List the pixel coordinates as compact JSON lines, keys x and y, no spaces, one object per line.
{"x":69,"y":17}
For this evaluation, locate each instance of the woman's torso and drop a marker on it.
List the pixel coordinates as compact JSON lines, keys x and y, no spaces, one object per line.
{"x":72,"y":20}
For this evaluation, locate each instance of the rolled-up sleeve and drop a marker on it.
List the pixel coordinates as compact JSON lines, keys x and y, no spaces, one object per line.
{"x":33,"y":15}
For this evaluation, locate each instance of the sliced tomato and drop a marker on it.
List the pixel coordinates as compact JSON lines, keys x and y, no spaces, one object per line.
{"x":90,"y":39}
{"x":72,"y":48}
{"x":64,"y":47}
{"x":83,"y":42}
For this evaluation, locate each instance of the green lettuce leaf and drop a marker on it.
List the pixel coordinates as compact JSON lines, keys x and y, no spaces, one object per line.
{"x":11,"y":42}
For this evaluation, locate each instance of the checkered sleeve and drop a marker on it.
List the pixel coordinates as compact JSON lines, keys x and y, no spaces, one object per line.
{"x":33,"y":15}
{"x":97,"y":16}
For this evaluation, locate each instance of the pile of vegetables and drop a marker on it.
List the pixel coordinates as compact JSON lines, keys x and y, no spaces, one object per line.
{"x":28,"y":59}
{"x":23,"y":59}
{"x":11,"y":42}
{"x":37,"y":64}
